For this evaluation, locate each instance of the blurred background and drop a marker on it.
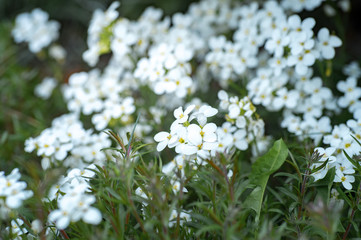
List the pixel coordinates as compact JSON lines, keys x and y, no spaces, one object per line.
{"x":22,"y":115}
{"x":74,"y":16}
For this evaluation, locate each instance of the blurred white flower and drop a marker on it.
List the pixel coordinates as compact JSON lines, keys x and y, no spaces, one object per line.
{"x":13,"y":190}
{"x":57,"y":52}
{"x":35,"y":29}
{"x":46,"y":87}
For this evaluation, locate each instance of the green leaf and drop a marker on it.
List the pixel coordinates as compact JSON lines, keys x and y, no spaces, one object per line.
{"x":261,"y":170}
{"x":344,"y":197}
{"x":288,"y":193}
{"x":4,"y":137}
{"x":208,"y":228}
{"x":359,"y":143}
{"x":313,"y":170}
{"x":340,"y":227}
{"x":132,"y":136}
{"x":289,"y":175}
{"x":357,"y":166}
{"x":114,"y":194}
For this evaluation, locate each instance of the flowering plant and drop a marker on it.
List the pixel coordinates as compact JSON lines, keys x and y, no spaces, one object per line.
{"x":172,"y":132}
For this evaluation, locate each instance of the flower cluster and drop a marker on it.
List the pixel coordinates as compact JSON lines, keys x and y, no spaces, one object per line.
{"x":344,"y":137}
{"x":299,"y":5}
{"x":92,"y":93}
{"x":12,"y":192}
{"x":35,"y":29}
{"x":188,"y":138}
{"x":227,"y":59}
{"x":73,"y":199}
{"x":158,"y":63}
{"x":242,"y":126}
{"x":100,"y":20}
{"x":351,"y":98}
{"x":167,"y":70}
{"x":282,"y":49}
{"x":327,"y":160}
{"x":18,"y":229}
{"x":68,"y":142}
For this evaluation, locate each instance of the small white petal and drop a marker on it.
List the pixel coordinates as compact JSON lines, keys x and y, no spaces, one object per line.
{"x":62,"y":222}
{"x":92,"y":216}
{"x":161,"y":136}
{"x":162,"y":145}
{"x":210,"y":127}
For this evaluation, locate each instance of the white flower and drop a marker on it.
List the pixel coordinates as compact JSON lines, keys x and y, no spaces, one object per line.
{"x":176,"y":186}
{"x":85,"y":212}
{"x":139,"y":192}
{"x":91,"y":56}
{"x":326,"y":154}
{"x":62,"y":216}
{"x":327,"y":43}
{"x":286,"y":98}
{"x":302,"y":42}
{"x":99,"y":21}
{"x":352,"y":70}
{"x":13,"y":189}
{"x":180,"y":144}
{"x":198,"y":136}
{"x":316,"y":91}
{"x":35,"y":29}
{"x":277,"y":43}
{"x":46,"y":144}
{"x":45,"y":88}
{"x":101,"y":120}
{"x":203,"y":113}
{"x":239,"y":139}
{"x":345,"y":167}
{"x":61,"y":150}
{"x":36,"y":226}
{"x":349,"y":87}
{"x":302,"y":61}
{"x":223,"y":96}
{"x":18,"y":229}
{"x":346,"y":180}
{"x":164,"y":138}
{"x":298,"y":27}
{"x":183,"y":218}
{"x":335,"y":138}
{"x":57,"y":52}
{"x":122,"y":40}
{"x":349,"y":145}
{"x":181,"y":116}
{"x":321,"y":173}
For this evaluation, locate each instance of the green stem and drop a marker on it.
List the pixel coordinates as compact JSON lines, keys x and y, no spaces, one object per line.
{"x":303,"y":189}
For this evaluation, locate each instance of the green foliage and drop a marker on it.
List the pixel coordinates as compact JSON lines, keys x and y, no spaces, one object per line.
{"x":273,"y":197}
{"x":261,"y":171}
{"x":22,"y":115}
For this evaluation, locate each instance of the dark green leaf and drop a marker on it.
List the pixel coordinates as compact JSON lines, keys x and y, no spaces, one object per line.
{"x":261,"y":170}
